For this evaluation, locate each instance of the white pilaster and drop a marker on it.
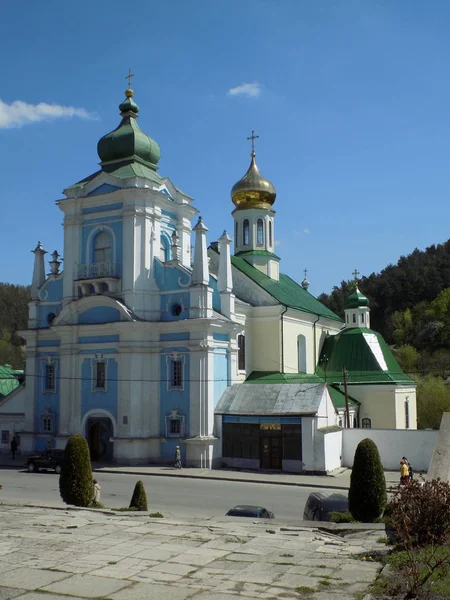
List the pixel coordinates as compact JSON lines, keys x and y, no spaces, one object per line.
{"x":200,"y":272}
{"x":38,"y":271}
{"x":225,"y":278}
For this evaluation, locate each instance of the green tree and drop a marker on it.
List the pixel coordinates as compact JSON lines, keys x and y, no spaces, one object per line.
{"x":139,"y":498}
{"x":433,"y":399}
{"x":75,"y":483}
{"x":407,"y":357}
{"x":367,"y":496}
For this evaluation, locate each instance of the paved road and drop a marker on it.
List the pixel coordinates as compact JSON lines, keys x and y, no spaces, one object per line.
{"x":173,"y":497}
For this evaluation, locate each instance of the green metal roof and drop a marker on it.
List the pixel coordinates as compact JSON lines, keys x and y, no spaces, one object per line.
{"x":122,"y":170}
{"x":338,"y":398}
{"x":9,"y":380}
{"x":365,"y":355}
{"x":257,"y":253}
{"x":286,"y":291}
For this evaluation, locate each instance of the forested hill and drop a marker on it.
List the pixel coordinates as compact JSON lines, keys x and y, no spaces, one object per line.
{"x":13,"y":317}
{"x":415,"y":281}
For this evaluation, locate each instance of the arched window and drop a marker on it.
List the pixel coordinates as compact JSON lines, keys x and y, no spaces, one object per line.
{"x":241,"y":352}
{"x":301,"y":350}
{"x":406,"y":414}
{"x":245,"y":232}
{"x":102,"y":248}
{"x":163,"y":250}
{"x":354,"y":318}
{"x":236,"y":242}
{"x":347,"y":318}
{"x":362,"y":317}
{"x":366,"y":423}
{"x":270,"y":234}
{"x":259,"y":232}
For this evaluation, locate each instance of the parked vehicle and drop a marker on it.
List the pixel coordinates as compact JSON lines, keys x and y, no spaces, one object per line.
{"x":49,"y":459}
{"x":244,"y":510}
{"x":320,"y":504}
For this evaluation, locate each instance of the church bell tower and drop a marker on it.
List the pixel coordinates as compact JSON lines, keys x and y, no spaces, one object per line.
{"x":254,"y":234}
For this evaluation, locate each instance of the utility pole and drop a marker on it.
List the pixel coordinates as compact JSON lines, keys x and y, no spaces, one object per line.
{"x":344,"y":371}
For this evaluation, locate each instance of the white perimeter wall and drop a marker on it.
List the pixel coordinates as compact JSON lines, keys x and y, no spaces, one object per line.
{"x":417,"y":445}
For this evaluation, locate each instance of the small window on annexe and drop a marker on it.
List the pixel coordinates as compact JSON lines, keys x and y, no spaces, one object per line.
{"x":246,"y":231}
{"x":260,"y":232}
{"x":241,"y":352}
{"x":366,"y":423}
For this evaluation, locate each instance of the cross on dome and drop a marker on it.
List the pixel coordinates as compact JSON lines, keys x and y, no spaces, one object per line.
{"x":355,"y":275}
{"x":129,"y":77}
{"x":253,"y":137}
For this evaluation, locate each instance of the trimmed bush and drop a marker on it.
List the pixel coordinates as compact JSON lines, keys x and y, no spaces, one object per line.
{"x":75,"y":483}
{"x":367,"y":496}
{"x":139,"y":498}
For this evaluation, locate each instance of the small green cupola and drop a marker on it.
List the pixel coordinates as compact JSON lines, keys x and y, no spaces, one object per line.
{"x":356,"y":299}
{"x":127,"y":143}
{"x":356,"y":308}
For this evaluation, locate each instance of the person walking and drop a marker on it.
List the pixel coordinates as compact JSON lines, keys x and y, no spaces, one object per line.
{"x":178,"y":464}
{"x":404,"y":473}
{"x":410,"y":469}
{"x":13,"y":447}
{"x":97,"y":489}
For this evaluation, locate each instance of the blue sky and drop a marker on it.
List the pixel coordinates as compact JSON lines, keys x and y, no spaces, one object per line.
{"x":351,"y":101}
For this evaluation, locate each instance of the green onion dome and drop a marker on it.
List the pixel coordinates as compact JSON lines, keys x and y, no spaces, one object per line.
{"x":127,"y":141}
{"x":356,"y":300}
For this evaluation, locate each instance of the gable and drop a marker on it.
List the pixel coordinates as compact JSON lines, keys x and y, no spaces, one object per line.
{"x":104,"y":188}
{"x":99,"y":314}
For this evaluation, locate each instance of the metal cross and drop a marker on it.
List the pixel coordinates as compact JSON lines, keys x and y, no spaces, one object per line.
{"x":253,"y":137}
{"x":305,"y":271}
{"x":355,"y":274}
{"x":129,"y":77}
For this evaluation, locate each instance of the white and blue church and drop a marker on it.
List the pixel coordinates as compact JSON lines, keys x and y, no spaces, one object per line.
{"x":151,"y":338}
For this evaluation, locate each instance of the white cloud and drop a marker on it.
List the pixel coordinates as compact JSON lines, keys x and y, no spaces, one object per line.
{"x":252,"y":90}
{"x":306,"y":230}
{"x":21,"y":113}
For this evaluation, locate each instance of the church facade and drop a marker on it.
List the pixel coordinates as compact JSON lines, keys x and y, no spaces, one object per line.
{"x":144,"y":342}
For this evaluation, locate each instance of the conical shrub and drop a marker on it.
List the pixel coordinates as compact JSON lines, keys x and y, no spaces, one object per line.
{"x":139,"y":498}
{"x":75,"y":483}
{"x":367,"y":496}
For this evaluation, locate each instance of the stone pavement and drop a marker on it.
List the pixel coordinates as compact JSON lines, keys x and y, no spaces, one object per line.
{"x":339,"y":479}
{"x":49,"y":554}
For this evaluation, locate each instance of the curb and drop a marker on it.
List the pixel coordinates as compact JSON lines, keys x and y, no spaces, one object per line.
{"x":217,"y":478}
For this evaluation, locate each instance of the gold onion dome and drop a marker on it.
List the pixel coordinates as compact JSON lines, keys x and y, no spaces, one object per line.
{"x":253,"y":190}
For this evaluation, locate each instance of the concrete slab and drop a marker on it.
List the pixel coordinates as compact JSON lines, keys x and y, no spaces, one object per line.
{"x":7,"y":593}
{"x":30,"y":579}
{"x":86,"y":586}
{"x":152,"y":591}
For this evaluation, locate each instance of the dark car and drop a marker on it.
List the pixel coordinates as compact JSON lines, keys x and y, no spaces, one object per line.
{"x":50,"y":459}
{"x":319,"y":506}
{"x":258,"y":512}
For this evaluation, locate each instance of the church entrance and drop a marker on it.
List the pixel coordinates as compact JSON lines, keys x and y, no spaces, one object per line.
{"x":99,"y":433}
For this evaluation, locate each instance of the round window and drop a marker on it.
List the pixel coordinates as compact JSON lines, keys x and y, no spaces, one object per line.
{"x":176,"y":310}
